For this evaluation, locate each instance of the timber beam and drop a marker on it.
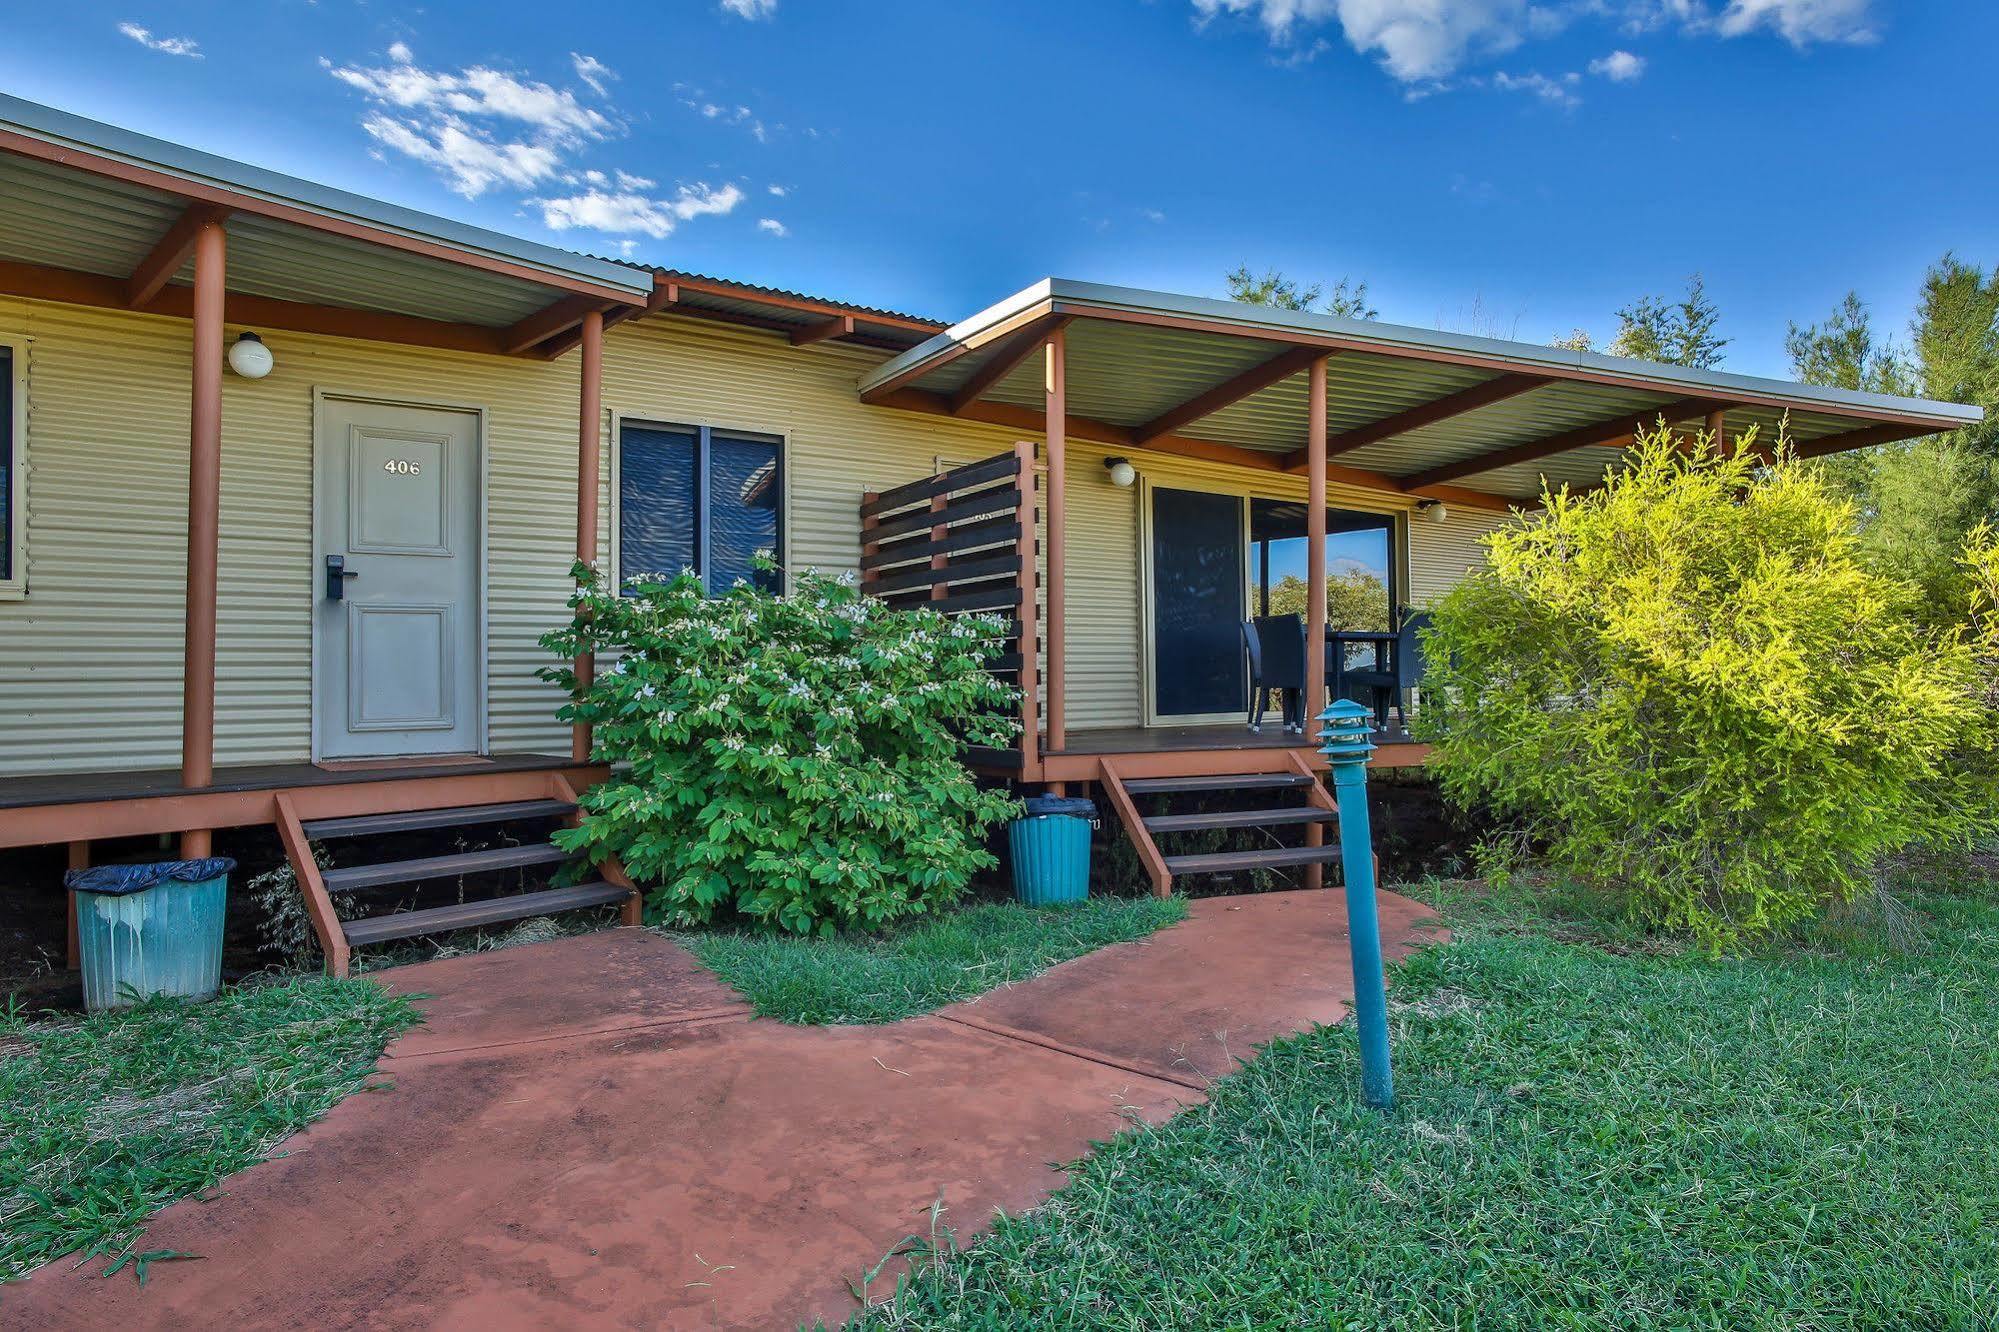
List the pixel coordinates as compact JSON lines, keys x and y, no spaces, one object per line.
{"x":167,"y":257}
{"x":1484,"y":394}
{"x":1615,"y":433}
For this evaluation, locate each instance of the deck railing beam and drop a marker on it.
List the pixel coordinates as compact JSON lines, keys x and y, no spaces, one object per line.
{"x":204,"y":524}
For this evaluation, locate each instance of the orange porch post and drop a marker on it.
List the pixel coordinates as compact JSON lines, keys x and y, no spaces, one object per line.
{"x":1715,"y":422}
{"x":1057,"y":390}
{"x":1315,"y":577}
{"x":589,"y":411}
{"x":204,"y":526}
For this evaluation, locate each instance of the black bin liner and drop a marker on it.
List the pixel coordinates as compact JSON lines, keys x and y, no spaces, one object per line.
{"x":1073,"y":807}
{"x":119,"y":880}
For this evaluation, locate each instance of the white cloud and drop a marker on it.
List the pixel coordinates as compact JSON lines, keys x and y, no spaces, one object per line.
{"x":777,"y":191}
{"x":1152,"y":215}
{"x":1802,"y":22}
{"x":450,"y":121}
{"x":773,"y":226}
{"x":470,"y":160}
{"x":1618,"y":66}
{"x":177,"y":46}
{"x":592,"y":71}
{"x":1424,"y":42}
{"x":1558,"y":91}
{"x":627,"y":211}
{"x":1416,"y":40}
{"x":751,"y":9}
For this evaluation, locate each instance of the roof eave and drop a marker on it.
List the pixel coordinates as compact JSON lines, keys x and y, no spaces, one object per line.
{"x":72,"y":140}
{"x":1065,"y":296}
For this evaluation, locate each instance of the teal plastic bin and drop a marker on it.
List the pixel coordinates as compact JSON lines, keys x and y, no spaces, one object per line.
{"x":1051,"y":850}
{"x":150,"y":929}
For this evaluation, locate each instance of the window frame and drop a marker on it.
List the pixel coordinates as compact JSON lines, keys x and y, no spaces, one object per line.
{"x":14,"y":587}
{"x":702,"y":428}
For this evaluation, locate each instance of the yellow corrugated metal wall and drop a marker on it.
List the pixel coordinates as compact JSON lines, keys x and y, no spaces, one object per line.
{"x":90,"y":663}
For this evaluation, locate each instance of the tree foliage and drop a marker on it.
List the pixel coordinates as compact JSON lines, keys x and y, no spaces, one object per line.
{"x":1917,"y":502}
{"x":1693,"y":686}
{"x":1274,"y":289}
{"x":1355,"y":599}
{"x":1682,"y":332}
{"x":792,"y":758}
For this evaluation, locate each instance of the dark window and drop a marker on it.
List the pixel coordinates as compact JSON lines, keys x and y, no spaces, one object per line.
{"x":690,"y":497}
{"x":7,"y":447}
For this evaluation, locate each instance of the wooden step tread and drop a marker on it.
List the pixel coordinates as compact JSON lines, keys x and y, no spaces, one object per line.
{"x":414,"y":820}
{"x":1276,"y":857}
{"x":1240,"y":818}
{"x":1247,"y":781}
{"x":441,"y":867}
{"x":492,"y":911}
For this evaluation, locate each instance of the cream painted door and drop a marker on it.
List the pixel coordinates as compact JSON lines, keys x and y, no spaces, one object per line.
{"x":396,"y":587}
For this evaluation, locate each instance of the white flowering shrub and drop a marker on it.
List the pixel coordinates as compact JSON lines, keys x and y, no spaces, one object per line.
{"x":794,"y":759}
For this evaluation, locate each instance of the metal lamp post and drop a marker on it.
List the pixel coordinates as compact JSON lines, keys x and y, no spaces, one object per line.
{"x":1344,"y":731}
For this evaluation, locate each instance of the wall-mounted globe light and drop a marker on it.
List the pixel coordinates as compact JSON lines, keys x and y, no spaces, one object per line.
{"x":249,"y":357}
{"x":1121,"y":470}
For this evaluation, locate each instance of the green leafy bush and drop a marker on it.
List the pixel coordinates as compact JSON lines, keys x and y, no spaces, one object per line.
{"x":792,"y":758}
{"x":1690,"y":685}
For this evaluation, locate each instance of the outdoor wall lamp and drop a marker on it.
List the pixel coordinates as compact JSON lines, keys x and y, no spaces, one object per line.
{"x":1121,"y":470}
{"x":1433,"y":509}
{"x":249,"y":357}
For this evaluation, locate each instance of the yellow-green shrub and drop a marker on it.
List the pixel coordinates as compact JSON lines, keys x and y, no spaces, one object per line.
{"x":1687,"y":684}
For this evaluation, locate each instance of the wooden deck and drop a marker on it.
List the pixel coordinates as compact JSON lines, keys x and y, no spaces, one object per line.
{"x":1186,"y":751}
{"x":84,"y":806}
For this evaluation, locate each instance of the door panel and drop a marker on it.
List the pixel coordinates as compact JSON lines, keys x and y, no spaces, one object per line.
{"x":397,"y":652}
{"x":1199,"y":586}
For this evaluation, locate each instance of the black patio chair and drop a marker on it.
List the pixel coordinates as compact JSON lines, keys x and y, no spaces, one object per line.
{"x":1276,"y":647}
{"x":1405,"y":670}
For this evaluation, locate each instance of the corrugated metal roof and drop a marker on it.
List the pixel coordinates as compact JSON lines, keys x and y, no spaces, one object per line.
{"x":1133,"y":355}
{"x":60,"y":129}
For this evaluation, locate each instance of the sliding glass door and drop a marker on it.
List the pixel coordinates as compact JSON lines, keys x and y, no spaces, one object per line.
{"x":1213,"y":561}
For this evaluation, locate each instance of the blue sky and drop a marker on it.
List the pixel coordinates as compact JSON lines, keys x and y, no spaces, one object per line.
{"x":1513,"y":167}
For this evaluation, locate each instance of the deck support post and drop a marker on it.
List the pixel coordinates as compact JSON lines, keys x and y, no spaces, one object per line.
{"x":1716,"y":422}
{"x":204,"y":526}
{"x":1345,"y":730}
{"x":1056,"y":384}
{"x":1315,"y":573}
{"x":79,"y":859}
{"x":589,"y":426}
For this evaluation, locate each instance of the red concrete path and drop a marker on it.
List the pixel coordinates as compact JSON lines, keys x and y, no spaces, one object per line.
{"x":594,"y":1133}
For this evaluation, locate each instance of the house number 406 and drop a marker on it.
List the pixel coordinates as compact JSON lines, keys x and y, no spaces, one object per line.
{"x":402,"y":467}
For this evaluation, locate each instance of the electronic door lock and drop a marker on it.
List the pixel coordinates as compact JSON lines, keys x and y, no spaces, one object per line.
{"x":337,"y":574}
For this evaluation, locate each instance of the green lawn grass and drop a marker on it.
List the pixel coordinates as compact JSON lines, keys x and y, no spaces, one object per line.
{"x":920,"y":966}
{"x":106,"y":1119}
{"x":1593,"y":1132}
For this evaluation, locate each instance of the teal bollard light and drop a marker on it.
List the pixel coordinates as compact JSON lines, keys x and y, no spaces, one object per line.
{"x":1345,"y":729}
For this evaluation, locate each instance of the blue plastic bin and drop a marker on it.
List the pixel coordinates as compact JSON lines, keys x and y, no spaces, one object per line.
{"x":1051,"y":850}
{"x":150,"y":929}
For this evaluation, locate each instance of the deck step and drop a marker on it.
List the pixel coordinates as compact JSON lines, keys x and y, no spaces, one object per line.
{"x":456,"y":816}
{"x":441,"y":867}
{"x":492,"y":911}
{"x":1246,"y":781}
{"x":1276,"y":857}
{"x":1240,"y":818}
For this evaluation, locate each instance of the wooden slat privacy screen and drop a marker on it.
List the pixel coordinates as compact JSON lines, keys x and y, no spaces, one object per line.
{"x":961,"y":542}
